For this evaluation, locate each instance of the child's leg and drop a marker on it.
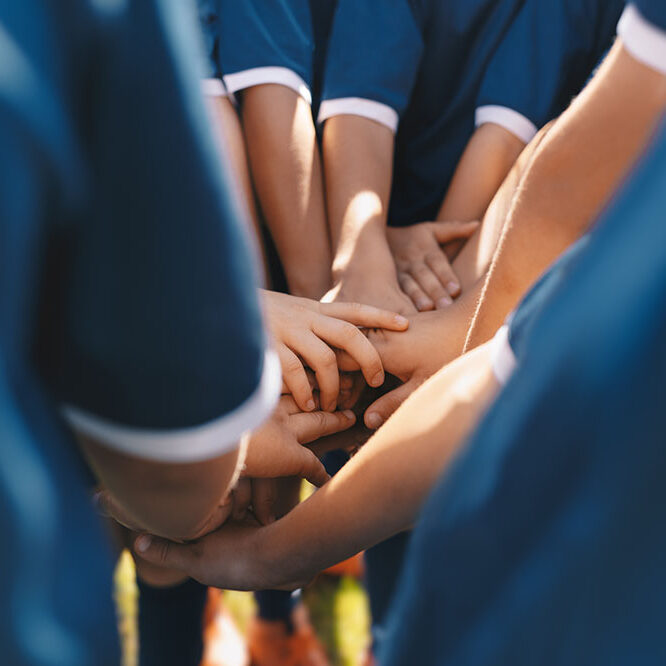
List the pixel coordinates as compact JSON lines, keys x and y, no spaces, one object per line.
{"x":170,"y":624}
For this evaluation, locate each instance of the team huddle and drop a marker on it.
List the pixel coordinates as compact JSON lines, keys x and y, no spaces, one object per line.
{"x":410,"y":251}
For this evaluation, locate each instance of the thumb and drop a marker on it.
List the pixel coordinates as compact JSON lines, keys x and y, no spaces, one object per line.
{"x":449,"y":231}
{"x":312,"y":469}
{"x":380,"y":410}
{"x":165,"y":553}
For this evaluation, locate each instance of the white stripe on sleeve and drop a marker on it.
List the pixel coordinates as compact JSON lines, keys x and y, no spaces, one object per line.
{"x":644,"y":41}
{"x":263,"y":75}
{"x":358,"y":106}
{"x":502,"y":358}
{"x":511,"y":120}
{"x":187,"y":445}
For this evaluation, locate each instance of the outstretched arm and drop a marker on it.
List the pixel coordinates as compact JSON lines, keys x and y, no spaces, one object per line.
{"x":377,"y":494}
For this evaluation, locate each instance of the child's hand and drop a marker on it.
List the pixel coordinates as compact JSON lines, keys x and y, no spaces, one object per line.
{"x":235,"y":557}
{"x":277,"y":448}
{"x":311,"y":331}
{"x":424,"y":271}
{"x":412,"y":357}
{"x":374,"y":287}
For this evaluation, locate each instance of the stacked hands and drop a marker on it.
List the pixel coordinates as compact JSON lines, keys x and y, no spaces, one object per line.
{"x":331,"y":354}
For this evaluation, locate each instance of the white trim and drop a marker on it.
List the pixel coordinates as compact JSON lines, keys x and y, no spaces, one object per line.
{"x":188,"y":445}
{"x":502,"y":358}
{"x":358,"y":106}
{"x":510,"y":120}
{"x":213,"y":87}
{"x":644,"y":40}
{"x":262,"y":75}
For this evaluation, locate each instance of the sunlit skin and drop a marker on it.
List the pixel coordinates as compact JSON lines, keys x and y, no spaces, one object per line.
{"x":287,"y":175}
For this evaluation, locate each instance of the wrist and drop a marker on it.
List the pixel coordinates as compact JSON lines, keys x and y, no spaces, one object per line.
{"x":368,"y":254}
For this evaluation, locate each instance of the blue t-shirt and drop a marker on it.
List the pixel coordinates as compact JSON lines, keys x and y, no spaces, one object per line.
{"x":419,"y":67}
{"x":256,"y":42}
{"x":127,"y":296}
{"x":544,"y":543}
{"x":546,"y":57}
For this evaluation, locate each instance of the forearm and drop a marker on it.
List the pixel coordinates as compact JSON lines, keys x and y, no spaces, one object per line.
{"x":380,"y":491}
{"x":177,"y":501}
{"x":574,"y":172}
{"x":231,"y":145}
{"x":487,"y":160}
{"x":287,"y":173}
{"x":358,"y":161}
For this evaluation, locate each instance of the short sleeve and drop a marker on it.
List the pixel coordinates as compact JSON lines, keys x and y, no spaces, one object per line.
{"x":544,"y":60}
{"x":373,"y":59}
{"x":266,"y":41}
{"x":158,"y":347}
{"x":508,"y":348}
{"x":642,"y":29}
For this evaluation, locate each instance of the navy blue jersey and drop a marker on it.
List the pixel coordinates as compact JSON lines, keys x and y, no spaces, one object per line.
{"x":257,"y":42}
{"x":544,"y":543}
{"x":654,"y":11}
{"x":546,"y":57}
{"x":419,"y":67}
{"x":126,"y":293}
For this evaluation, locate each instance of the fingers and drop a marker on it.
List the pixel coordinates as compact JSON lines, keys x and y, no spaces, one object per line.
{"x":309,"y":427}
{"x":347,"y":337}
{"x":295,"y":378}
{"x":163,"y":553}
{"x":311,"y":468}
{"x":431,"y":285}
{"x":321,"y":358}
{"x":445,"y":232}
{"x":440,"y":266}
{"x":264,"y":494}
{"x":380,"y":410}
{"x":365,"y":315}
{"x":420,"y":299}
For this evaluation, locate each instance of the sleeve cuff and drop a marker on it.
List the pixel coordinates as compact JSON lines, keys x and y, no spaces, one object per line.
{"x":213,"y":88}
{"x":263,"y":75}
{"x":502,"y":358}
{"x":643,"y":40}
{"x":357,"y":106}
{"x":188,"y":445}
{"x":510,"y":120}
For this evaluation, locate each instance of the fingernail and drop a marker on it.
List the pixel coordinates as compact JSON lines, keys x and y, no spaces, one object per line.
{"x":375,"y":420}
{"x":424,"y":305}
{"x":400,"y":320}
{"x":310,"y":405}
{"x":378,"y":379}
{"x":142,"y":544}
{"x":349,"y":414}
{"x":332,"y":406}
{"x":453,"y":288}
{"x":271,"y":520}
{"x":444,"y":302}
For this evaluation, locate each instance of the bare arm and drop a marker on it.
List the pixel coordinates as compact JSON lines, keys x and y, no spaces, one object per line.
{"x":177,"y":501}
{"x":377,"y":494}
{"x":486,"y":162}
{"x":358,"y":164}
{"x":287,"y":173}
{"x":575,"y":170}
{"x":231,"y":145}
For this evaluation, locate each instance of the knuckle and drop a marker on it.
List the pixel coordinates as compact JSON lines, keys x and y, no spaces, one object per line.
{"x":328,"y":359}
{"x":291,"y":365}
